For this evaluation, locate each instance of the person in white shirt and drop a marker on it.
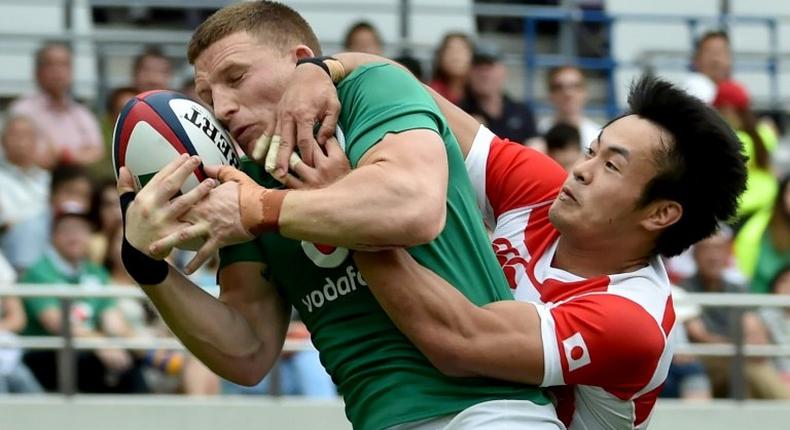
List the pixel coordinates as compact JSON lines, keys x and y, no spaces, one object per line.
{"x":568,"y":95}
{"x":15,"y":377}
{"x":24,"y":196}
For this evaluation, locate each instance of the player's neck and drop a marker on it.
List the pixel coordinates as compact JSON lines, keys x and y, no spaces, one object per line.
{"x":587,"y":261}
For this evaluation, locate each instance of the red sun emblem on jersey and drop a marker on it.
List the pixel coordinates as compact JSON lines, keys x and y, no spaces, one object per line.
{"x":511,"y":261}
{"x":325,"y":256}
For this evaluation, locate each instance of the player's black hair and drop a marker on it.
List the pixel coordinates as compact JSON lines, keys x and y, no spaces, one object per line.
{"x":562,"y":135}
{"x":701,"y":167}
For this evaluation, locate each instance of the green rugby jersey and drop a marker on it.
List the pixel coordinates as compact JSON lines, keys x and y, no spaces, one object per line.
{"x":384,"y":379}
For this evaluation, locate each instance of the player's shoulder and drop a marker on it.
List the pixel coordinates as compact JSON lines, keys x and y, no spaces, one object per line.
{"x":649,"y":288}
{"x":372,"y":73}
{"x":503,"y":149}
{"x":521,"y":162}
{"x":512,"y":175}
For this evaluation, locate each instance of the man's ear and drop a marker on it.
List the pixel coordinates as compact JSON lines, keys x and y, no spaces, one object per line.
{"x":661,"y":214}
{"x":301,"y":51}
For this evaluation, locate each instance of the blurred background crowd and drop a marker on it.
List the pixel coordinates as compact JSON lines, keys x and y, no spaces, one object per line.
{"x":60,"y":222}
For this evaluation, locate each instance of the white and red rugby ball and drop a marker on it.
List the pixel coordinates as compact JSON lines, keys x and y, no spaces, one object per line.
{"x":157,"y":126}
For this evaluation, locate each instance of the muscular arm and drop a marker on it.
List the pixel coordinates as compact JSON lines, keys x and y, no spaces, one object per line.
{"x":239,"y":336}
{"x":500,"y":340}
{"x":463,"y":125}
{"x":401,"y":183}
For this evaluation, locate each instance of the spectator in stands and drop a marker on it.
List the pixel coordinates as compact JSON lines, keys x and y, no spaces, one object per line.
{"x":762,"y":247}
{"x":106,"y":215}
{"x":363,"y":37}
{"x":759,"y":141}
{"x":487,"y":101}
{"x":66,"y":262}
{"x":713,"y":56}
{"x":687,"y":378}
{"x":26,"y":243}
{"x":24,"y":195}
{"x":15,"y":377}
{"x":568,"y":96}
{"x":152,"y":70}
{"x":777,"y":320}
{"x":451,"y":66}
{"x":115,"y":103}
{"x":61,"y":121}
{"x":71,"y":185}
{"x":715,"y":324}
{"x":563,"y":144}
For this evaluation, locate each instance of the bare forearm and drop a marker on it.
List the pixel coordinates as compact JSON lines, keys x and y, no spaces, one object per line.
{"x":352,"y":60}
{"x":458,"y":337}
{"x":428,"y":314}
{"x":354,"y":213}
{"x":214,"y":332}
{"x":396,"y":198}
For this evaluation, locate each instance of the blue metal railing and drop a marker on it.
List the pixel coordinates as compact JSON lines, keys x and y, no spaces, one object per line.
{"x":608,"y":63}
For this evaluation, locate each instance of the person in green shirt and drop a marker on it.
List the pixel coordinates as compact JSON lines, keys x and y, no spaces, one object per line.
{"x":759,"y":142}
{"x":66,"y":262}
{"x":762,"y":246}
{"x":407,"y":173}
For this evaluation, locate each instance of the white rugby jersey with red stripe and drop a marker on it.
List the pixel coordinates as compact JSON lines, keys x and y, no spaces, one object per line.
{"x":605,"y":339}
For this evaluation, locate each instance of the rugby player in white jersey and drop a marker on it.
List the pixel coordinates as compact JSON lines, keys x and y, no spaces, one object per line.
{"x":594,"y":313}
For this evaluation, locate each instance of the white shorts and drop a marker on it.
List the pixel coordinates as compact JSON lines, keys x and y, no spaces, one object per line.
{"x":493,"y":415}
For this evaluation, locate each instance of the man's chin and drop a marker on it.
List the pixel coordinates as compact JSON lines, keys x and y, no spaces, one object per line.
{"x":558,"y":216}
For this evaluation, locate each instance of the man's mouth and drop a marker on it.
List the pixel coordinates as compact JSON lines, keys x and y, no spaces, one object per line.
{"x":567,"y":192}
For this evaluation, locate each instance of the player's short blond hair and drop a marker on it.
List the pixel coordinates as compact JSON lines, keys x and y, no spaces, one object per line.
{"x":275,"y":24}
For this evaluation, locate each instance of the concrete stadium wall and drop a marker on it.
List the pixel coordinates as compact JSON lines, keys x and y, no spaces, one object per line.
{"x":247,"y":413}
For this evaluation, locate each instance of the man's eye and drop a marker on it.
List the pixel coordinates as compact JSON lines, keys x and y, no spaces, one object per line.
{"x":236,"y":78}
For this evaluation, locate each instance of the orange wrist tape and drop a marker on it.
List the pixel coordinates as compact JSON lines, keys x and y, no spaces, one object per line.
{"x":261,"y":213}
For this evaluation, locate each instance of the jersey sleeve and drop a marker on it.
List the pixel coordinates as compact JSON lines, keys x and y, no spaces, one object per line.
{"x":603,"y":340}
{"x":381,"y":98}
{"x":518,"y":176}
{"x":251,"y":251}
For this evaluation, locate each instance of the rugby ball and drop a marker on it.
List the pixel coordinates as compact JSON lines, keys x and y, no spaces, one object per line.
{"x":157,"y":126}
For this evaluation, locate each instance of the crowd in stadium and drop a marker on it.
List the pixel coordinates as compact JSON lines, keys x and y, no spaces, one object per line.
{"x":60,"y":223}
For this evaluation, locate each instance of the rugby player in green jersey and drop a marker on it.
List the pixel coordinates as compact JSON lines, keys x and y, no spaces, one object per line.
{"x":408,"y":174}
